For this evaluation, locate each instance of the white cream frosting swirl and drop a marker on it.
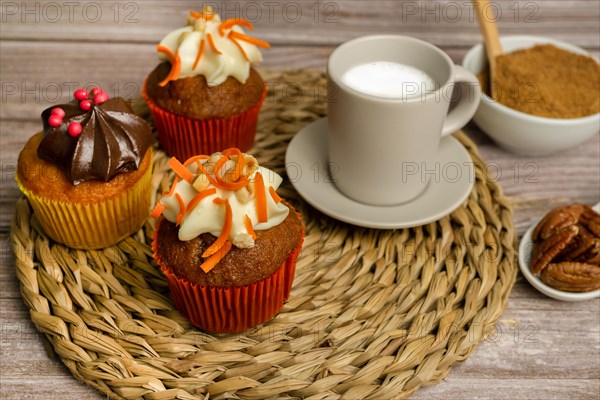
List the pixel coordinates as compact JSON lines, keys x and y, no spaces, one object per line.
{"x":209,"y":217}
{"x":216,"y":68}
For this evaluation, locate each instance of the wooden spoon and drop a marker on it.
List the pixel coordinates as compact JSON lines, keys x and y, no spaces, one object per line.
{"x":491,"y":39}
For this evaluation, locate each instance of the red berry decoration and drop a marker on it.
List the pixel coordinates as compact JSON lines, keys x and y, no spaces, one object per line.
{"x":74,"y":129}
{"x":81,"y":94}
{"x":58,"y":112}
{"x":101,"y":97}
{"x":54,"y":121}
{"x":85,"y":105}
{"x":95,"y":91}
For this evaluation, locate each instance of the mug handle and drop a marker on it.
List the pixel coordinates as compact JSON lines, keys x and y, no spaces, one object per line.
{"x":469,"y":101}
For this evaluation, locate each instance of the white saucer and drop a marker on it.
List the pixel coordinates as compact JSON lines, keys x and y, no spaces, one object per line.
{"x":525,"y":254}
{"x":307,"y":167}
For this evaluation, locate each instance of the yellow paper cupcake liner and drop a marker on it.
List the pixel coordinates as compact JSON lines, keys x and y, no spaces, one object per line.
{"x":94,"y":225}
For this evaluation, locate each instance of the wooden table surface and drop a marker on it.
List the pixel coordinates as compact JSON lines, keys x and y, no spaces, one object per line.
{"x":544,"y":349}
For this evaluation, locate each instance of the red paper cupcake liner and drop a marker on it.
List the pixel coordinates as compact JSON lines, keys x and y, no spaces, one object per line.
{"x":233,"y":309}
{"x":185,"y":137}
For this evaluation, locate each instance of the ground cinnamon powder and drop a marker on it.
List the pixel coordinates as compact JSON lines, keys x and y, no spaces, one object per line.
{"x":549,"y":82}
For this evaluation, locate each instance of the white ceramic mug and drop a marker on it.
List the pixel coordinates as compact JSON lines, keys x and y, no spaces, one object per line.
{"x":381,"y":148}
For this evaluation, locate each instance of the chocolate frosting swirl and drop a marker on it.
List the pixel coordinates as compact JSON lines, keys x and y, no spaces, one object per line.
{"x":113,"y":140}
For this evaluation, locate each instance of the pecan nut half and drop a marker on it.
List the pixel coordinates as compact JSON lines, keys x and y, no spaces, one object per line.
{"x":545,"y":252}
{"x":578,"y":247}
{"x":556,"y":220}
{"x":571,"y":276}
{"x":591,"y":220}
{"x":592,"y":254}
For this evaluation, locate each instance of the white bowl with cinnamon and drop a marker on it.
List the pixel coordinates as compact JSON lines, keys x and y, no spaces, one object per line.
{"x":548,"y":97}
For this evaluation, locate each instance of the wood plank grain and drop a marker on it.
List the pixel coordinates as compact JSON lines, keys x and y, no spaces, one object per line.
{"x":457,"y":388}
{"x":537,"y":389}
{"x":60,"y":387}
{"x":39,"y":74}
{"x":301,"y":22}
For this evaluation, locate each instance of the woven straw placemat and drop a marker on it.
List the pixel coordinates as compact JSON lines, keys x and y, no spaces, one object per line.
{"x":374,"y":314}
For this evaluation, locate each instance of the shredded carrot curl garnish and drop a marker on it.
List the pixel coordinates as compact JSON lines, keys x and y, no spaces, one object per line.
{"x":274,"y":195}
{"x":239,"y":168}
{"x":175,"y":69}
{"x":235,"y":152}
{"x":237,"y":173}
{"x":228,"y":24}
{"x":212,"y":43}
{"x":165,"y":50}
{"x":181,"y":171}
{"x":203,"y":16}
{"x":218,"y":166}
{"x":210,"y":178}
{"x":199,"y":197}
{"x":158,"y":210}
{"x":217,"y":180}
{"x":215,"y":258}
{"x":181,"y":212}
{"x":239,"y":46}
{"x":175,"y":181}
{"x":175,"y":64}
{"x":200,"y":52}
{"x":223,"y":184}
{"x":193,"y":159}
{"x":232,"y":151}
{"x":248,"y":223}
{"x":217,"y":244}
{"x":261,"y":198}
{"x":233,"y":186}
{"x":246,"y":38}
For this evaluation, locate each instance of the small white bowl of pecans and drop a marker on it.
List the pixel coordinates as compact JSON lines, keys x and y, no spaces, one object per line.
{"x":560,"y":255}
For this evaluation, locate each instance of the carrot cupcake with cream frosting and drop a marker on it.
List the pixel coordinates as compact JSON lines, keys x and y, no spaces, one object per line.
{"x":205,"y":95}
{"x":226,"y":241}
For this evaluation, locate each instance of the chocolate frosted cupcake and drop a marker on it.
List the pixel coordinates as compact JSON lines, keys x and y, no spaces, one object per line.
{"x":226,"y":241}
{"x":87,"y":176}
{"x":205,"y":96}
